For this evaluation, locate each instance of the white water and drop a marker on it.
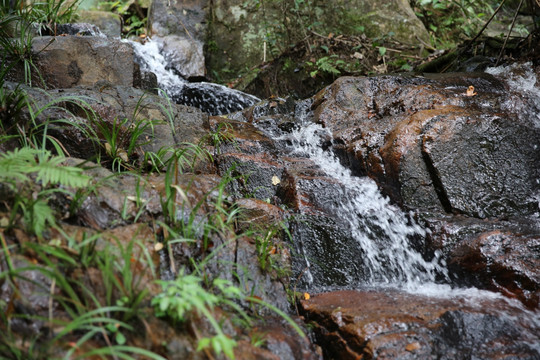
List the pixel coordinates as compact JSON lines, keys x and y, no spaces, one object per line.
{"x":380,"y":229}
{"x":524,"y":99}
{"x":212,"y":98}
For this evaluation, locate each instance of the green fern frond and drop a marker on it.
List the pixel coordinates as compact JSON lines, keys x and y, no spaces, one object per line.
{"x":14,"y":165}
{"x":38,"y":216}
{"x":51,"y":170}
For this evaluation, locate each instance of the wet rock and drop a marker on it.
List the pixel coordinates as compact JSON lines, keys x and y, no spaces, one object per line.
{"x":259,"y":282}
{"x":324,"y":253}
{"x":31,"y":292}
{"x":182,"y":55}
{"x":67,"y":61}
{"x":430,"y":146}
{"x":285,"y":343}
{"x":395,"y":325}
{"x":501,"y":256}
{"x":79,"y":29}
{"x":259,"y":212}
{"x":122,"y":198}
{"x":253,"y":174}
{"x":249,"y":156}
{"x":307,"y":189}
{"x":487,"y":164}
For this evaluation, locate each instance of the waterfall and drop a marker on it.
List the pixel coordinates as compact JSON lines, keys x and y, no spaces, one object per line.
{"x":380,"y":229}
{"x":211,"y":98}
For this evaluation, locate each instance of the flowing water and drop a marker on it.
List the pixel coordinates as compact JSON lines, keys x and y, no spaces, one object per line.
{"x":380,"y":229}
{"x":373,"y":243}
{"x":211,"y":98}
{"x":384,"y":241}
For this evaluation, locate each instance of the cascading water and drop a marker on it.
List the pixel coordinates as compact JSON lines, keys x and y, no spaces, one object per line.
{"x":381,"y":230}
{"x":211,"y":98}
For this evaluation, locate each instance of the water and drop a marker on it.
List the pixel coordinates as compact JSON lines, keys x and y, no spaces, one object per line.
{"x":380,"y":229}
{"x":211,"y":98}
{"x":524,"y":96}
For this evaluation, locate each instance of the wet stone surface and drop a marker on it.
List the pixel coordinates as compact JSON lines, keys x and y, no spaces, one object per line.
{"x":392,"y":324}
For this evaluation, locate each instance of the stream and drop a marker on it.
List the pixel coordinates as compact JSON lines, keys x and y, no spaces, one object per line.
{"x":373,"y":245}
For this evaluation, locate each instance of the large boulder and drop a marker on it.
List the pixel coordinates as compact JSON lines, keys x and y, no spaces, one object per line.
{"x":180,"y":28}
{"x":67,"y":61}
{"x":430,"y":146}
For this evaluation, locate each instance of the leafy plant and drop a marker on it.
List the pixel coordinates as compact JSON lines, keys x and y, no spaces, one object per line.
{"x":186,"y":294}
{"x":450,"y":20}
{"x":222,"y":134}
{"x":88,"y":318}
{"x":132,"y":13}
{"x":20,"y":168}
{"x":327,"y":64}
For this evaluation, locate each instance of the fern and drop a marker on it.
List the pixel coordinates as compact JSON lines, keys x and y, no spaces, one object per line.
{"x":16,"y":167}
{"x":16,"y":164}
{"x":38,"y":216}
{"x":50,"y":170}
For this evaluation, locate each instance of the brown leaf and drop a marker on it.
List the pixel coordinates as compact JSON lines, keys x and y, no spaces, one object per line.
{"x":413,"y":346}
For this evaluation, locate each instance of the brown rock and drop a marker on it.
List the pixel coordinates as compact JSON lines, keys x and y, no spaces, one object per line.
{"x":388,"y":324}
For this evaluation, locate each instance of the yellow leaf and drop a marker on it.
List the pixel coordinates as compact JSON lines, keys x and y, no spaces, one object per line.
{"x":470,"y":91}
{"x":275,"y":180}
{"x":108,"y":149}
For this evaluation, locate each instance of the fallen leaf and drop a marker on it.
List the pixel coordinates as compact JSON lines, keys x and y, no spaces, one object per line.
{"x":122,"y":154}
{"x":412,"y":346}
{"x":306,"y":296}
{"x":275,"y":180}
{"x":470,"y":91}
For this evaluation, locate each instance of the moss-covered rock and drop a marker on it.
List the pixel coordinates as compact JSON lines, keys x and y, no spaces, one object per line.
{"x":243,"y":34}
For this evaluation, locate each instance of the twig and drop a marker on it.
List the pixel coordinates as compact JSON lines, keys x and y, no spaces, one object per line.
{"x":425,"y":44}
{"x":485,"y":25}
{"x":509,"y":32}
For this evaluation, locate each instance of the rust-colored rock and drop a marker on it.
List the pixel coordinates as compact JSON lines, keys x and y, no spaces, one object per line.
{"x":430,"y":146}
{"x":389,"y":324}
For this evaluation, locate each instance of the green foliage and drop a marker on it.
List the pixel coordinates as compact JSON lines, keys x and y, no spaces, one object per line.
{"x":89,"y":318}
{"x":186,"y":294}
{"x":223,"y":134}
{"x":20,"y":22}
{"x":20,"y":168}
{"x":327,"y":65}
{"x":133,"y":16}
{"x":450,"y":21}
